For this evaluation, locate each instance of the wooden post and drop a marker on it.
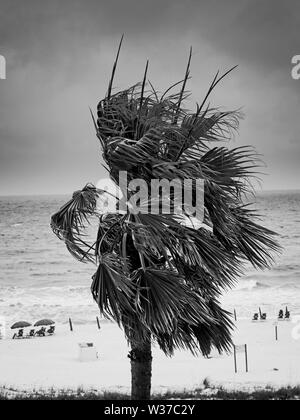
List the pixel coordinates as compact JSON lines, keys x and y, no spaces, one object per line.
{"x":276,"y":332}
{"x":246,"y":358}
{"x":235,"y":317}
{"x":71,"y":325}
{"x":234,"y":355}
{"x":98,"y":323}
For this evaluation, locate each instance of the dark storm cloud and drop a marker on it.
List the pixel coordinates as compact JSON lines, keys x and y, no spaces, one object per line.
{"x":59,"y":57}
{"x":263,"y":33}
{"x":36,"y":25}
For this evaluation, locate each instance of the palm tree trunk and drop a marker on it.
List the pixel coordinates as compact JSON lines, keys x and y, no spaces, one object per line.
{"x":141,"y":370}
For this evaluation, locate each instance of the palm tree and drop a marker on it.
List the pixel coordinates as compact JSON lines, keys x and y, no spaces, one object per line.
{"x":159,"y":278}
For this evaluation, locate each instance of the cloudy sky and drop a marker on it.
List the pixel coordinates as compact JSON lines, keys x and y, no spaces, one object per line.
{"x":59,"y":56}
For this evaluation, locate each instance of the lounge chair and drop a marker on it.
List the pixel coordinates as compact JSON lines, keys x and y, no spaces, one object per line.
{"x":263,"y":317}
{"x":280,"y":315}
{"x":41,"y":332}
{"x":255,"y":317}
{"x":51,"y":330}
{"x":287,"y":315}
{"x":20,"y":334}
{"x":31,"y":334}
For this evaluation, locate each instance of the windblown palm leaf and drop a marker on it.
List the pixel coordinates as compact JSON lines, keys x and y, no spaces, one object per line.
{"x":163,"y":297}
{"x":154,"y":274}
{"x":69,"y":222}
{"x":111,"y":289}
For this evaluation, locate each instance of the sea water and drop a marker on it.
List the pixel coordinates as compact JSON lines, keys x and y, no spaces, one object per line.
{"x":40,"y":279}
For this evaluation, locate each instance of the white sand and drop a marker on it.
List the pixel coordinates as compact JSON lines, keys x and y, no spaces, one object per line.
{"x":43,"y":363}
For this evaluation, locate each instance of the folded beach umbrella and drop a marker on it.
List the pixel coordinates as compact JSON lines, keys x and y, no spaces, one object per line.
{"x":44,"y":323}
{"x":21,"y":324}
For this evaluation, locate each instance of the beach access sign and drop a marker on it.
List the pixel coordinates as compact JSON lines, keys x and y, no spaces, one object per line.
{"x":240,"y":348}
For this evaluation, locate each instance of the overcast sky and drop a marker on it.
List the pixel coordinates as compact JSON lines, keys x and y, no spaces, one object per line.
{"x":59,"y":56}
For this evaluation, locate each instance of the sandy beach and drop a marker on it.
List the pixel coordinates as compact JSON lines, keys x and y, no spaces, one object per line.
{"x":53,"y":362}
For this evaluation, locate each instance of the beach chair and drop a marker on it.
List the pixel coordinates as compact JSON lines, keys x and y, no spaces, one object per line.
{"x":51,"y":330}
{"x":31,"y":334}
{"x":255,"y":317}
{"x":20,"y":334}
{"x":263,"y":317}
{"x":287,"y":315}
{"x":280,"y":315}
{"x":41,"y":332}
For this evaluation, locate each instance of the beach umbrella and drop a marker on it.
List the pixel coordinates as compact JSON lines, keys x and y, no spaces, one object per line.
{"x":20,"y":324}
{"x":44,"y":323}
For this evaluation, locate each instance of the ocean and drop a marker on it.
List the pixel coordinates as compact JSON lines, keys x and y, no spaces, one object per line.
{"x":40,"y":279}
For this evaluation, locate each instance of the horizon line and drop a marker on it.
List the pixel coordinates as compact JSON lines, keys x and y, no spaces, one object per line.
{"x":70,"y":193}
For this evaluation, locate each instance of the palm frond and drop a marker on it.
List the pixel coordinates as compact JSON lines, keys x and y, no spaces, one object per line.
{"x":235,"y":227}
{"x":163,"y":296}
{"x":109,"y":233}
{"x":202,"y":337}
{"x":70,"y":221}
{"x":256,"y":243}
{"x":111,"y":289}
{"x":114,"y":69}
{"x":214,"y":83}
{"x":182,"y":92}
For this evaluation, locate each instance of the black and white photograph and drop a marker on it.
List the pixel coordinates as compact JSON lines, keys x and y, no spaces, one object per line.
{"x":149,"y":202}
